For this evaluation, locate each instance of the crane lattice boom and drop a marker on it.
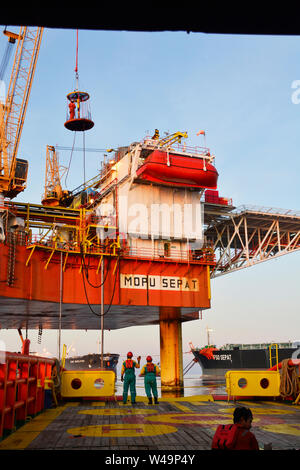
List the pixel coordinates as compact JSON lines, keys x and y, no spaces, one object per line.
{"x":13,"y":171}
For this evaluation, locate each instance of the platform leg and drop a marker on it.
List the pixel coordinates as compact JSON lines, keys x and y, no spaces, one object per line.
{"x":170,"y":349}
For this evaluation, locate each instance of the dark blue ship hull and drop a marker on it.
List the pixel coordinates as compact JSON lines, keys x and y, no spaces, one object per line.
{"x":92,"y":361}
{"x":241,"y":359}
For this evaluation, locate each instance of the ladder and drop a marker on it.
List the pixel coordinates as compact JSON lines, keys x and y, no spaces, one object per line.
{"x":273,"y":347}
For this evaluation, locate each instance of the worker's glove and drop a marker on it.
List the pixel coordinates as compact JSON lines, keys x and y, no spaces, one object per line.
{"x":122,"y":379}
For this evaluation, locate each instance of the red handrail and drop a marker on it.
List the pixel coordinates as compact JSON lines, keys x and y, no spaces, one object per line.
{"x":291,"y":362}
{"x":22,"y":388}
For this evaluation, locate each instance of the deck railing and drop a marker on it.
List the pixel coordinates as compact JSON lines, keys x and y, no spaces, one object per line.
{"x":266,"y":211}
{"x":173,"y":255}
{"x":22,"y":388}
{"x":195,"y":151}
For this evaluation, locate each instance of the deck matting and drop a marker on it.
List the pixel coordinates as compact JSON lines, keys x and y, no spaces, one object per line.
{"x":180,"y":424}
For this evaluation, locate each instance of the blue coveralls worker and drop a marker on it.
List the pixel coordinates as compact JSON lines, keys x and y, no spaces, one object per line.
{"x":128,"y":376}
{"x":150,"y":371}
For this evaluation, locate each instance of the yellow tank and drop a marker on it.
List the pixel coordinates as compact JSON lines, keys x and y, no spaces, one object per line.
{"x":87,"y":383}
{"x":252,"y":383}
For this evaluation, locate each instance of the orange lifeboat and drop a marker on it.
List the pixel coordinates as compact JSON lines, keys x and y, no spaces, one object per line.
{"x":178,"y":170}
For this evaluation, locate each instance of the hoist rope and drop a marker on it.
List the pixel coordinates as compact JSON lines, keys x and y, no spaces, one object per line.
{"x":76,"y":66}
{"x":68,"y":168}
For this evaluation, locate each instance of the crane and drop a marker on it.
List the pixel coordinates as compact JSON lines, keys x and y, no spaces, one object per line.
{"x":54,"y":195}
{"x":171,"y":139}
{"x":13,"y":170}
{"x":54,"y":172}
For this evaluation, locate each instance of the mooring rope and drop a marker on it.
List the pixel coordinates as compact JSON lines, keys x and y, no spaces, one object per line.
{"x":289,"y":384}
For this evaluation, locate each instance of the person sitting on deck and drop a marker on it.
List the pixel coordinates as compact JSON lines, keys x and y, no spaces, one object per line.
{"x":128,"y":371}
{"x":236,"y":436}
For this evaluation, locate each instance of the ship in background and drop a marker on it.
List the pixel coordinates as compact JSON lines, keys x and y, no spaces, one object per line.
{"x":215,"y":361}
{"x":92,"y":362}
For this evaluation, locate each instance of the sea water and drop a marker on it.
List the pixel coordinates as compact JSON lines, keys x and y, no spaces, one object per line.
{"x":196,"y":384}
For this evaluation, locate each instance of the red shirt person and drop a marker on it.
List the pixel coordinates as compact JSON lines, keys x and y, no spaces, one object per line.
{"x":237,"y":436}
{"x":72,"y":110}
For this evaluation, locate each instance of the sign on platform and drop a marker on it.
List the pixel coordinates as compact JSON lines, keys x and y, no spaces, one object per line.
{"x":173,"y":283}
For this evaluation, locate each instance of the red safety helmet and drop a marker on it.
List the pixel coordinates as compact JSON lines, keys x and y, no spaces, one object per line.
{"x":149,"y":359}
{"x":129,"y":354}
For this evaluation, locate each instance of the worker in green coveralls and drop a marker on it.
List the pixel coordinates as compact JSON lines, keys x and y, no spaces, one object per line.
{"x":128,"y":370}
{"x":150,"y":371}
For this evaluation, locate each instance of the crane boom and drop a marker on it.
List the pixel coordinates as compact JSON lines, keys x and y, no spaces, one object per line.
{"x":13,"y":171}
{"x":54,"y":172}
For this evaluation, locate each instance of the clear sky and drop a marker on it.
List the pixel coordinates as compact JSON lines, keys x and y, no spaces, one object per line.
{"x":237,"y":88}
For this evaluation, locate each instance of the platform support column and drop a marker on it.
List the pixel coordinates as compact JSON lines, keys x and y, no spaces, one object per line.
{"x":170,"y":349}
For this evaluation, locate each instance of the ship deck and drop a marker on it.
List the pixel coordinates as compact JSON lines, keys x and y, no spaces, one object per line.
{"x":183,"y":425}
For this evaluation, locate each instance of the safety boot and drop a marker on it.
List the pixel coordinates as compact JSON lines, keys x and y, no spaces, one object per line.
{"x":150,"y":401}
{"x":155,"y":401}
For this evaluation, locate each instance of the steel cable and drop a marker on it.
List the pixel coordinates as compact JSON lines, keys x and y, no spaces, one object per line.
{"x":86,"y":271}
{"x":70,"y":160}
{"x":112,"y":297}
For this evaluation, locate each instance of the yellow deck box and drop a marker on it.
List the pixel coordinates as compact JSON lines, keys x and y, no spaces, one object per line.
{"x":253,"y":383}
{"x":87,"y":383}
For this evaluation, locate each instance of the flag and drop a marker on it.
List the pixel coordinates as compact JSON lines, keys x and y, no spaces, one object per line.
{"x":201,"y":133}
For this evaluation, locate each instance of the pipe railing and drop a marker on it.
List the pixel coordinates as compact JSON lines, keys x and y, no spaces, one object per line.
{"x":195,"y":256}
{"x":22,"y":388}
